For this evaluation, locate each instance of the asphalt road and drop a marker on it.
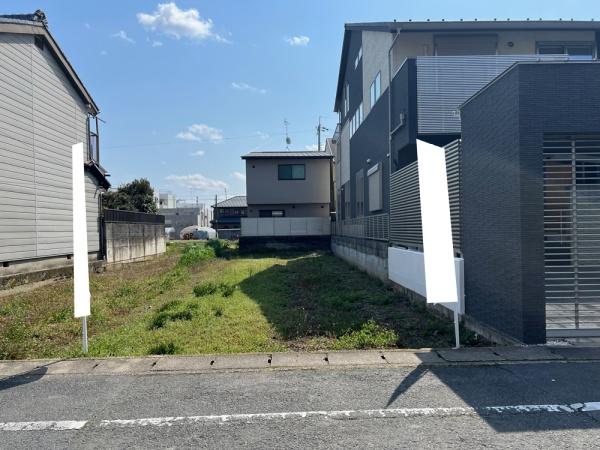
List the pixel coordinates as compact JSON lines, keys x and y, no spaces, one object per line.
{"x":539,"y":405}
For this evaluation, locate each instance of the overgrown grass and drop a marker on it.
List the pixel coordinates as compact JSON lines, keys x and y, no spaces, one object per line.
{"x":192,"y":301}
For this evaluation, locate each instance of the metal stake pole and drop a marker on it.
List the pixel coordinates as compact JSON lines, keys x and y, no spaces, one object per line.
{"x":84,"y":335}
{"x":456,"y":327}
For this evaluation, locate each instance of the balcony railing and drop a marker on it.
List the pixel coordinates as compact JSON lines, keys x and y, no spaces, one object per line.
{"x":444,"y":83}
{"x":368,"y":227}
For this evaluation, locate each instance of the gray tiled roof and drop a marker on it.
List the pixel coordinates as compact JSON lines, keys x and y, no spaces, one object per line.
{"x":239,"y":201}
{"x":308,"y":154}
{"x":36,"y":18}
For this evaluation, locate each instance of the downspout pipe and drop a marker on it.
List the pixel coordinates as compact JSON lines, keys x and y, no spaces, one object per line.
{"x":390,"y":71}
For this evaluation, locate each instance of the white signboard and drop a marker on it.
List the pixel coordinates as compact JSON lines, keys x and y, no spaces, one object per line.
{"x":81,"y":278}
{"x":440,"y":277}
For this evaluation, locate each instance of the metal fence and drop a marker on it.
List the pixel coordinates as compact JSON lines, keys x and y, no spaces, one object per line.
{"x":117,"y":215}
{"x":368,"y":227}
{"x":405,"y":202}
{"x":285,"y":226}
{"x":445,"y":82}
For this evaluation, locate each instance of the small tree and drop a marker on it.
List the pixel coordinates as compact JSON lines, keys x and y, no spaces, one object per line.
{"x":136,"y":195}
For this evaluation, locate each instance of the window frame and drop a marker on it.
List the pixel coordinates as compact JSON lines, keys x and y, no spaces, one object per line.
{"x":375,"y":89}
{"x":292,"y":178}
{"x":358,"y":58}
{"x":565,"y":45}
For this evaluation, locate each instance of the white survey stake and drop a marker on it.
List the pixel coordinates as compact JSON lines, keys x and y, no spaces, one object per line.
{"x":81,"y":278}
{"x":440,"y":275}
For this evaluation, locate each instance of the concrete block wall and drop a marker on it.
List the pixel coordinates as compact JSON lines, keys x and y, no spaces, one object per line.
{"x":133,"y":241}
{"x":368,"y":255}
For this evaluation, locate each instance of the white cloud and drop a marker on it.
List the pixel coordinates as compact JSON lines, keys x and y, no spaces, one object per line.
{"x":200,"y":132}
{"x":311,"y":148}
{"x":261,"y":135}
{"x":239,"y":176}
{"x":172,"y":21}
{"x":157,"y":44}
{"x":197,"y":181}
{"x":298,"y":41}
{"x":197,"y":153}
{"x":123,"y":36}
{"x":246,"y":87}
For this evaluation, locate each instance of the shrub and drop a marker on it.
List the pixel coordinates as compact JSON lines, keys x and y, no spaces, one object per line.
{"x":227,"y":290}
{"x":202,"y":289}
{"x":169,"y":305}
{"x":370,"y":335}
{"x":164,"y":348}
{"x":219,"y":246}
{"x":218,"y":311}
{"x":196,"y":253}
{"x":162,"y":318}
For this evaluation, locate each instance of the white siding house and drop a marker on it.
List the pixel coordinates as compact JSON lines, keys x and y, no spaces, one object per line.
{"x":44,"y":110}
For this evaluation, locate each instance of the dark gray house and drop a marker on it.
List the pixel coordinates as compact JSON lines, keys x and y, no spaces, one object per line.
{"x":45,"y":109}
{"x":228,"y":214}
{"x":403,"y":81}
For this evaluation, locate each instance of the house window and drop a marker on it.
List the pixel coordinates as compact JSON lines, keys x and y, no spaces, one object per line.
{"x":375,"y":89}
{"x":271,"y":213}
{"x":93,"y":140}
{"x":347,"y":99}
{"x":347,"y":212}
{"x":374,"y":175}
{"x":358,"y":57}
{"x":291,"y":172}
{"x":575,"y":50}
{"x":356,"y":120}
{"x":360,"y":193}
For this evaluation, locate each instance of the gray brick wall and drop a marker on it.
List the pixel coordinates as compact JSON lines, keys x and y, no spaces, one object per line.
{"x":502,"y":203}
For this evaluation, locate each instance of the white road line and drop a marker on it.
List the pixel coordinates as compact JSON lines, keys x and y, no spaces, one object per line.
{"x":354,"y":414}
{"x":51,"y":425}
{"x":299,"y":415}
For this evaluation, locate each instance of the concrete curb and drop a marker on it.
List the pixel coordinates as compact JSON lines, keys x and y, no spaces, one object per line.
{"x":298,"y":360}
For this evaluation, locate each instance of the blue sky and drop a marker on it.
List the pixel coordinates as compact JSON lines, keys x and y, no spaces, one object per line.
{"x":187,"y":87}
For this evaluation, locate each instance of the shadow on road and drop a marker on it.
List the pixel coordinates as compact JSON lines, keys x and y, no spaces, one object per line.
{"x":23,"y":378}
{"x":511,"y":385}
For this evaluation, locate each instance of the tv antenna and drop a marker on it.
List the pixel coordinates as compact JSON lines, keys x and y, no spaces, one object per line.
{"x":288,"y":141}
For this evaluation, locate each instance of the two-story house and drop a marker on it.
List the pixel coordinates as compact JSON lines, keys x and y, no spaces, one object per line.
{"x":45,"y":109}
{"x":403,"y":81}
{"x":288,"y":194}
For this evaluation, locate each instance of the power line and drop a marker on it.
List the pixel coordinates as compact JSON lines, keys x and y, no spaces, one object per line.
{"x":156,"y":144}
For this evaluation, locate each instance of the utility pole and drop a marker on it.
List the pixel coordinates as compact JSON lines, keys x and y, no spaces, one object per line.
{"x":319,"y":129}
{"x":215,"y":217}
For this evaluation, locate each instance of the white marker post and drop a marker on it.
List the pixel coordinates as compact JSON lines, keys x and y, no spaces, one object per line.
{"x":438,"y":249}
{"x":81,"y":277}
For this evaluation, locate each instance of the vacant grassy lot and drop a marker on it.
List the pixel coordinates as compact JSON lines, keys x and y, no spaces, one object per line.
{"x":192,"y":301}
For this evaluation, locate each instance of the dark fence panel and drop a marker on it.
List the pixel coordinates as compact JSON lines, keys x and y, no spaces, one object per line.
{"x":116,"y":215}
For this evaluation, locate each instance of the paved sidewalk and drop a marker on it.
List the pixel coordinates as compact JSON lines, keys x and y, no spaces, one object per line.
{"x":300,"y":360}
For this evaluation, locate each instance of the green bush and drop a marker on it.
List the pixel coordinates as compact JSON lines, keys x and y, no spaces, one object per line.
{"x":219,"y":246}
{"x":161,"y":319}
{"x":202,"y":289}
{"x":196,"y":253}
{"x":169,"y":305}
{"x":164,"y":348}
{"x":370,"y":335}
{"x":227,"y":290}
